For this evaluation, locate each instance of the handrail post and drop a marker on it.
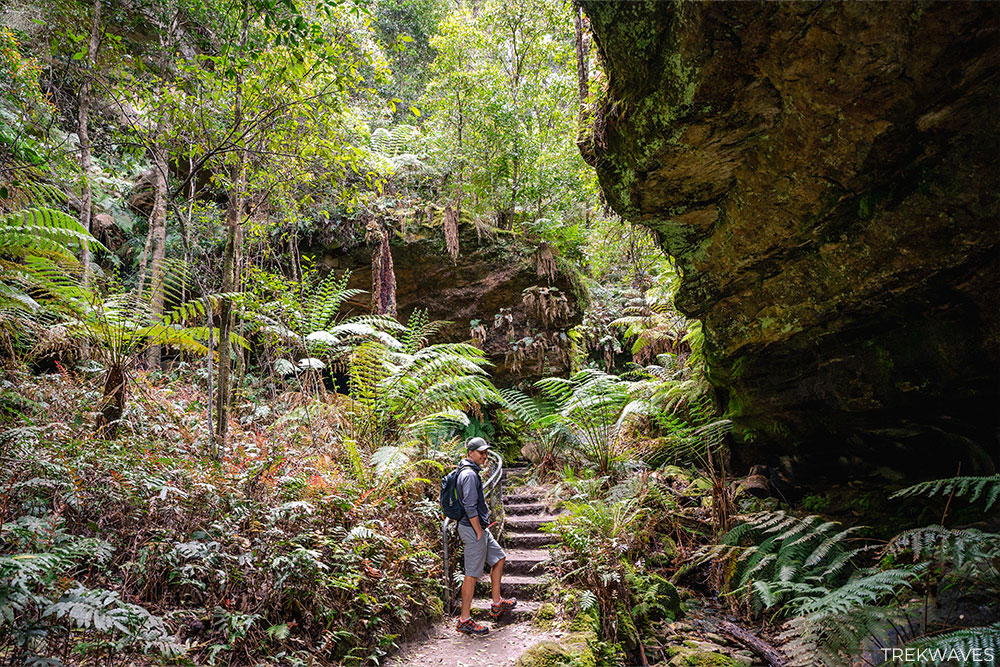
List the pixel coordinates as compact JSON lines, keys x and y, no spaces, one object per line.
{"x":447,"y":574}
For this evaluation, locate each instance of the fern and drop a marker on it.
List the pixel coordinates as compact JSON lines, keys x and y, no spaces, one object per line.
{"x":777,"y":560}
{"x":958,"y":547}
{"x":987,"y":488}
{"x":968,"y":646}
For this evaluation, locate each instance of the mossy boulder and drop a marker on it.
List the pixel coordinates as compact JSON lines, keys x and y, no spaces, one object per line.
{"x":698,"y":656}
{"x":825,"y":177}
{"x":572,"y":651}
{"x":586,"y":621}
{"x":545,"y":616}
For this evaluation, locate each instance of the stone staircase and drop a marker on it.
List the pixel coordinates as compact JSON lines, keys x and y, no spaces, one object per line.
{"x":526,"y":547}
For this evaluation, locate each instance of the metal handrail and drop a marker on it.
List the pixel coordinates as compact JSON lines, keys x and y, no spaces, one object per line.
{"x":492,"y":484}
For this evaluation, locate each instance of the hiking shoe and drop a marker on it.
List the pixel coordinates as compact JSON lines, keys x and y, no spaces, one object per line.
{"x":470,"y":627}
{"x":496,"y":610}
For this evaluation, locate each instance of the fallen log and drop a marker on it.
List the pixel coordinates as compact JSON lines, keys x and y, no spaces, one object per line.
{"x":771,"y":655}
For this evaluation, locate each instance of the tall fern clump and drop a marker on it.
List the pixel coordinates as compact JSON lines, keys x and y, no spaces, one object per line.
{"x":407,"y":393}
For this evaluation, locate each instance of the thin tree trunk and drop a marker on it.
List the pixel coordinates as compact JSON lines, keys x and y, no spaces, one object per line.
{"x":157,"y":237}
{"x":582,"y":76}
{"x":234,"y":217}
{"x":86,"y":195}
{"x":213,"y":447}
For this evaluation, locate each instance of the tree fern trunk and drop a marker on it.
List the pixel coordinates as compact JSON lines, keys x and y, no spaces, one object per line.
{"x":112,"y":403}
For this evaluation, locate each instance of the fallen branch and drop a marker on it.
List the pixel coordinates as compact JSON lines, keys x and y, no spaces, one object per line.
{"x":771,"y":655}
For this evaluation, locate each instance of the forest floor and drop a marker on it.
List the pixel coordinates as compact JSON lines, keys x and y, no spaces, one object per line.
{"x":443,"y":646}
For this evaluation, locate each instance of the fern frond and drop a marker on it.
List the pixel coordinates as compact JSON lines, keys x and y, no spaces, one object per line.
{"x":974,"y":487}
{"x":968,"y":646}
{"x":945,"y":545}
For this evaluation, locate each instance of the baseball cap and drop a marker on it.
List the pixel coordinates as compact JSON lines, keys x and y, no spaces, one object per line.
{"x":476,"y":445}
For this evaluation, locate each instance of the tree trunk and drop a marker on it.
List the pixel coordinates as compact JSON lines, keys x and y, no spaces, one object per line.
{"x":157,"y":237}
{"x":582,"y":76}
{"x":86,"y":195}
{"x":383,"y":273}
{"x":234,"y":218}
{"x":112,"y":403}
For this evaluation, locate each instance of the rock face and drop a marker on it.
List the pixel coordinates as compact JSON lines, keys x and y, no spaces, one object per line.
{"x":481,"y":292}
{"x":826,"y":176}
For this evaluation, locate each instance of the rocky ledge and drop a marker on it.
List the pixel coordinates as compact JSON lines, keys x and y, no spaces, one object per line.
{"x":826,"y":176}
{"x":513,"y":298}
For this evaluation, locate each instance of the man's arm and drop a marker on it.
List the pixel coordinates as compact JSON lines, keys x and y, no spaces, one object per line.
{"x":469,"y":493}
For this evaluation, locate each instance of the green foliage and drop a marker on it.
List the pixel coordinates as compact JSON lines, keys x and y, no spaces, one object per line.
{"x":804,"y":569}
{"x":405,"y":393}
{"x":276,"y":554}
{"x":501,"y":103}
{"x":974,"y":488}
{"x":779,"y":561}
{"x":968,"y":646}
{"x":41,"y":604}
{"x":590,"y":404}
{"x":598,"y":537}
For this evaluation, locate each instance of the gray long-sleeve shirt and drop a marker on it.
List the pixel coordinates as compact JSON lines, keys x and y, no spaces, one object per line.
{"x":470,"y":494}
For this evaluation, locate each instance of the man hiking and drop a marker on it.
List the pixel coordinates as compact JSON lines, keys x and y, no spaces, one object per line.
{"x":480,"y":546}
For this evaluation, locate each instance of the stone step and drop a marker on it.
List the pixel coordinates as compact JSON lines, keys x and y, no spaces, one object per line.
{"x":528,"y":522}
{"x":524,"y":611}
{"x":515,"y":471}
{"x":531,"y":540}
{"x":521,"y":497}
{"x":522,"y":587}
{"x":524,"y":561}
{"x":523,"y":508}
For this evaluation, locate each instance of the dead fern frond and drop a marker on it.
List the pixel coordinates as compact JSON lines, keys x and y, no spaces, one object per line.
{"x":545,"y":262}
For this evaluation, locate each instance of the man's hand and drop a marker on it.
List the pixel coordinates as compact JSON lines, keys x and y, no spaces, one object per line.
{"x":474,"y":520}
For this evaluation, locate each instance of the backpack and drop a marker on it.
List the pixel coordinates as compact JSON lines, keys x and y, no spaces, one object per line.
{"x":451,"y":506}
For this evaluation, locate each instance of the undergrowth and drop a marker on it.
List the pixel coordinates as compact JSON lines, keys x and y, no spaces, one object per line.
{"x":144,"y":546}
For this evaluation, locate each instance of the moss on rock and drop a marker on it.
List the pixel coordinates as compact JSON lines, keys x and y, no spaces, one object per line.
{"x":545,"y":616}
{"x":687,"y":656}
{"x":574,"y":650}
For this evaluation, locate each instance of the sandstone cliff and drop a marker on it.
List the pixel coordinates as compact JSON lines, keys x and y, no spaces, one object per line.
{"x":826,"y":176}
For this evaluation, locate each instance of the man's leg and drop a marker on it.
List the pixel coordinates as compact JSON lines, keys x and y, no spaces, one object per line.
{"x":468,"y":589}
{"x":496,"y":573}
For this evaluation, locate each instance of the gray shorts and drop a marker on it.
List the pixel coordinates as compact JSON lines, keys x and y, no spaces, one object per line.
{"x":479,"y":552}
